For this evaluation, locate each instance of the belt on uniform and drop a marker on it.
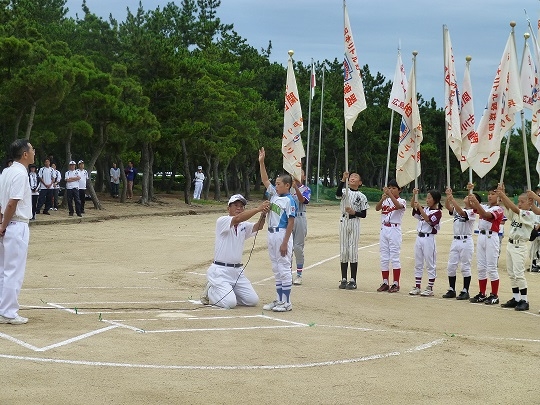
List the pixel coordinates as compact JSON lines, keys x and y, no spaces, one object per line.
{"x":423,"y":235}
{"x":515,"y":241}
{"x":19,"y":219}
{"x":389,"y":224}
{"x":350,"y":216}
{"x":486,"y":232}
{"x":272,"y":230}
{"x":461,"y":237}
{"x":235,"y":265}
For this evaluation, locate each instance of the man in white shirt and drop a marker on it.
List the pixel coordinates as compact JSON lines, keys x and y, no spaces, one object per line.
{"x":72,"y":189}
{"x":45,"y":175}
{"x":15,"y":212}
{"x":198,"y":183}
{"x":115,"y":180}
{"x":83,"y":174}
{"x":56,"y":186}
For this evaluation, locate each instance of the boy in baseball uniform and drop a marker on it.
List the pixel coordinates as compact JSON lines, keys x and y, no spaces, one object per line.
{"x":392,"y":208}
{"x":227,"y":284}
{"x":353,"y":206}
{"x":462,"y":248}
{"x":280,"y":244}
{"x":488,"y":246}
{"x":521,"y":225}
{"x":301,"y":195}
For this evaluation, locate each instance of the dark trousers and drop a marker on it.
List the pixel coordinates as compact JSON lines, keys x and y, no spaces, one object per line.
{"x":82,"y":198}
{"x":45,"y":197}
{"x":114,"y":189}
{"x":55,"y":197}
{"x":34,"y":205}
{"x":73,"y":194}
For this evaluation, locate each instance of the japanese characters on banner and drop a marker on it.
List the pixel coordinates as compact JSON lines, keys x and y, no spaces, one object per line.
{"x":466,"y":116}
{"x":504,"y":101}
{"x":408,"y":156}
{"x":291,"y":144}
{"x":399,"y":88}
{"x":451,"y":96}
{"x":353,"y":89}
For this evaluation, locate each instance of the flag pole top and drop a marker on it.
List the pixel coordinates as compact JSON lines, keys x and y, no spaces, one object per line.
{"x":291,"y":53}
{"x":512,"y":24}
{"x":526,"y":36}
{"x":468,"y":58}
{"x":415,"y":53}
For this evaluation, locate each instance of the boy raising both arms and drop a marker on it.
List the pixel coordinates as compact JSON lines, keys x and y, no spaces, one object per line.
{"x":462,"y":248}
{"x":280,"y":227}
{"x":521,"y":225}
{"x":488,"y":246}
{"x":392,"y":208}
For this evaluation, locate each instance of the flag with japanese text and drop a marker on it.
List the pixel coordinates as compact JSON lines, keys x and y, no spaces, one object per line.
{"x":399,"y":88}
{"x":353,"y":89}
{"x":408,"y":157}
{"x":466,"y":116}
{"x":531,"y":90}
{"x":291,"y":143}
{"x":312,"y":82}
{"x":504,"y":101}
{"x":451,"y":97}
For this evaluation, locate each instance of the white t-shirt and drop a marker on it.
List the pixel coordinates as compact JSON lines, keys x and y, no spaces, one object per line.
{"x":84,"y":176}
{"x":72,"y":184}
{"x":45,"y":174}
{"x":14,"y":186}
{"x":230,"y":241}
{"x":390,"y":214}
{"x":464,"y":225}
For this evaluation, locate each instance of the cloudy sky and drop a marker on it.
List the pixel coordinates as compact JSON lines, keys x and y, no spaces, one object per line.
{"x":314,"y":28}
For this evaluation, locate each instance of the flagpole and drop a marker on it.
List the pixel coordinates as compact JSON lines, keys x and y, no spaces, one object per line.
{"x":414,"y":132}
{"x":446,"y":122}
{"x":468,"y":59}
{"x":320,"y":135}
{"x":523,"y":128}
{"x":346,"y":138}
{"x":306,"y":171}
{"x":389,"y":149}
{"x":512,"y":24}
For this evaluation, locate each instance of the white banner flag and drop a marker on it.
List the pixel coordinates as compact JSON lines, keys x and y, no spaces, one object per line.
{"x":291,"y":144}
{"x":353,"y":89}
{"x":399,"y":88}
{"x":466,"y":115}
{"x":312,"y":82}
{"x":451,"y":96}
{"x":528,"y":78}
{"x":410,"y":138}
{"x":504,"y":101}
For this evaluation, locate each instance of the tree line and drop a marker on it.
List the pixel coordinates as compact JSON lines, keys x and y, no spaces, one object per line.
{"x":175,"y":87}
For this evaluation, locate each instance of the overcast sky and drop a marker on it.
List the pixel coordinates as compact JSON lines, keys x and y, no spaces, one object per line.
{"x":314,"y":29}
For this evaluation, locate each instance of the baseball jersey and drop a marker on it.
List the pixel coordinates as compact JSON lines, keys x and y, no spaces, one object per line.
{"x":521,"y":224}
{"x":433,"y":225}
{"x":494,"y":223}
{"x":306,"y":193}
{"x":281,"y":208}
{"x":464,"y":224}
{"x":230,"y":240}
{"x":354,"y":199}
{"x":14,"y":186}
{"x":390,"y":214}
{"x":46,"y":174}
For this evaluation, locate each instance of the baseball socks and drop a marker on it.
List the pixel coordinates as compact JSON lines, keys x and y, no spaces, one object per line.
{"x":396,"y":274}
{"x":452,"y":282}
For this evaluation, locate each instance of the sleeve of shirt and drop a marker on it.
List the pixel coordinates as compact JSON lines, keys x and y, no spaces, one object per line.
{"x":527,"y":218}
{"x":435,"y":218}
{"x":223,"y":224}
{"x":271,"y":190}
{"x":307,"y":195}
{"x":291,"y":208}
{"x":339,"y":191}
{"x":17,"y":188}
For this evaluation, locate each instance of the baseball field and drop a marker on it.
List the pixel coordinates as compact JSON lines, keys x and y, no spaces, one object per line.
{"x":115,"y":318}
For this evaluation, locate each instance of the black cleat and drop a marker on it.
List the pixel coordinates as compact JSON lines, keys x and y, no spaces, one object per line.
{"x":343,"y":284}
{"x":450,"y":294}
{"x":522,"y":305}
{"x":464,"y":295}
{"x":492,"y":299}
{"x":478,"y":298}
{"x":351,"y":285}
{"x":510,"y":303}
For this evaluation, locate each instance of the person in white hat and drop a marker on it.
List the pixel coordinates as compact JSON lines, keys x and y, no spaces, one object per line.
{"x":84,"y":177}
{"x":227,"y":284}
{"x":198,"y":181}
{"x":72,"y":189}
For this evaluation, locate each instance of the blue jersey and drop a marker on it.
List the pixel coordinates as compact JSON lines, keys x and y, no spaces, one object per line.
{"x":281,"y":208}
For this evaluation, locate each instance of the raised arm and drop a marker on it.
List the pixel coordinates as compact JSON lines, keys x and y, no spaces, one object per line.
{"x":264,"y":175}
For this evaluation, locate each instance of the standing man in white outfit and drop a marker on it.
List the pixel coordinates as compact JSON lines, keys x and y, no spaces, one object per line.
{"x":83,"y":174}
{"x":198,"y":182}
{"x":15,"y":212}
{"x":227,"y":284}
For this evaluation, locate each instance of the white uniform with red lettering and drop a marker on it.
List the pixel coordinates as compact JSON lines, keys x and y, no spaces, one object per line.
{"x":425,"y":249}
{"x":521,"y":226}
{"x":488,"y":244}
{"x":462,"y":248}
{"x":391,"y":237}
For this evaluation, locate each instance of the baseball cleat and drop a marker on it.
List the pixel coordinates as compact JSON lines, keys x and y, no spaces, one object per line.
{"x":522,"y":306}
{"x":449,"y":294}
{"x":383,"y":287}
{"x":394,"y":288}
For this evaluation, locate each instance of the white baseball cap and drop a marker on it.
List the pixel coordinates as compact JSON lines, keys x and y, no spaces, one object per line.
{"x":199,"y":167}
{"x":237,"y":197}
{"x":81,"y":161}
{"x":72,"y":162}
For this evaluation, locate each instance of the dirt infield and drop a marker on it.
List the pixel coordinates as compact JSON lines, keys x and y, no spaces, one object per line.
{"x":115,"y":319}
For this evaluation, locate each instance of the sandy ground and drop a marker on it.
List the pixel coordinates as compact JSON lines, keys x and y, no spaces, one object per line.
{"x":115,"y":319}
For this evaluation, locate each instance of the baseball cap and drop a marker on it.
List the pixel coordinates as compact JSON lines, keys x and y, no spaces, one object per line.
{"x":199,"y":167}
{"x":81,"y":161}
{"x":237,"y":197}
{"x":71,"y":162}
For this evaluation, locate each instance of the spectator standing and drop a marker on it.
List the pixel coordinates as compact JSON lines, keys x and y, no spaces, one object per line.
{"x":131,"y":172}
{"x":45,"y":175}
{"x":33,"y":180}
{"x":198,"y":182}
{"x":115,"y":180}
{"x":83,"y":174}
{"x":72,"y":189}
{"x":57,"y":176}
